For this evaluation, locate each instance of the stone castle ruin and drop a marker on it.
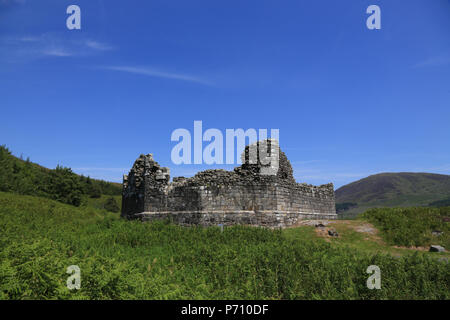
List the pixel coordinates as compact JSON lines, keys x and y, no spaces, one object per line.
{"x":259,"y":192}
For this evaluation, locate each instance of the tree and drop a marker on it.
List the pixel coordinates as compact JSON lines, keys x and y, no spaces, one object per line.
{"x":65,"y":186}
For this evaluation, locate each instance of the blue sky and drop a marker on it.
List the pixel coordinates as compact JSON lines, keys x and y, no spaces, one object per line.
{"x":348,"y":101}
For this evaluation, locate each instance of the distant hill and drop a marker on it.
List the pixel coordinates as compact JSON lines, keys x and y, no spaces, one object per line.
{"x":61,"y":184}
{"x":403,"y":189}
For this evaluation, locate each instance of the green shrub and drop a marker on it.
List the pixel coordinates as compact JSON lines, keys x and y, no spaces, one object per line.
{"x":411,"y":226}
{"x":111,"y":205}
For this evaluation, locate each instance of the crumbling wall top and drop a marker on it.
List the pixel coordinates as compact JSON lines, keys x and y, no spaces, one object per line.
{"x":250,"y":172}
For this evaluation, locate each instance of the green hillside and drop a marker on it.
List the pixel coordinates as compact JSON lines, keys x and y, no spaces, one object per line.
{"x":121,"y":259}
{"x":404,"y":189}
{"x":61,"y":184}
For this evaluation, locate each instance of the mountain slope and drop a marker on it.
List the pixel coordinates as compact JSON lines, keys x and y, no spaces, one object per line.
{"x":393,"y":190}
{"x":27,"y":178}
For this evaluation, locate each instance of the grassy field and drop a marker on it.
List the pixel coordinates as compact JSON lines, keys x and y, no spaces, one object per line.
{"x":122,"y":259}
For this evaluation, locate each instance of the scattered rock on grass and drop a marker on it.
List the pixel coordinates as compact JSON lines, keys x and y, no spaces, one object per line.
{"x":436,"y":248}
{"x":314,"y":223}
{"x":333,"y":233}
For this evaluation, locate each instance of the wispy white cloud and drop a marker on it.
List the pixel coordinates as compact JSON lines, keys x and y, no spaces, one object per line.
{"x":151,"y":72}
{"x":102,"y":169}
{"x":328,"y":174}
{"x":444,"y":169}
{"x":96,"y":45}
{"x":102,"y":173}
{"x":435,"y":61}
{"x":305,"y":162}
{"x":333,"y":176}
{"x":29,"y":39}
{"x":58,"y":52}
{"x":29,"y":47}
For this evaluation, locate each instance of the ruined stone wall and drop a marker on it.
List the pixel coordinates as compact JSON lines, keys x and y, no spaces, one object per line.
{"x":211,"y":197}
{"x":306,"y":198}
{"x":216,"y":197}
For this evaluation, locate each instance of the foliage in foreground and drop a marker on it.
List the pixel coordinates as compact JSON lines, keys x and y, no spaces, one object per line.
{"x":40,"y":238}
{"x":411,"y":226}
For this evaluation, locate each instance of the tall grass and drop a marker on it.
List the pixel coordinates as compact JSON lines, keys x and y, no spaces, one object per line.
{"x":122,"y":259}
